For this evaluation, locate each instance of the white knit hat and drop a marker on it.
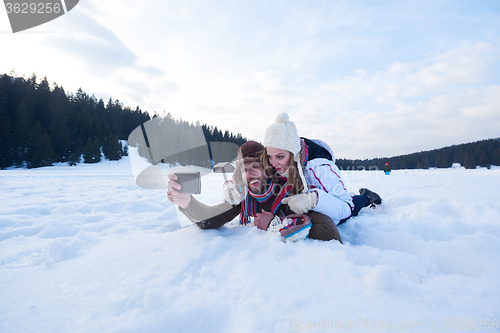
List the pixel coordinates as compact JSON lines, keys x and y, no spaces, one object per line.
{"x":283,"y":135}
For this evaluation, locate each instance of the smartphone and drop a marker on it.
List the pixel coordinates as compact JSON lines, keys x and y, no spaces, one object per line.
{"x":190,"y":182}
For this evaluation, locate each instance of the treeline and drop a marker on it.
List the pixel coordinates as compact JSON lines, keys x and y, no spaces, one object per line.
{"x":40,"y":125}
{"x":469,"y":155}
{"x":177,"y":142}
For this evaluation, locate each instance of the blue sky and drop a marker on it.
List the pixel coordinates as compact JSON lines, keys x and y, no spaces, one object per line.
{"x":371,"y":78}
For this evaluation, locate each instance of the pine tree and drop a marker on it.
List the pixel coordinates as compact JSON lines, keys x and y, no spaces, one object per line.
{"x":22,"y":128}
{"x":74,"y":158}
{"x":59,"y":131}
{"x":438,"y":161}
{"x":39,"y":149}
{"x":6,"y":144}
{"x":495,"y":157}
{"x":76,"y":152}
{"x":6,"y":128}
{"x":447,"y":160}
{"x":425,"y":164}
{"x":112,"y":148}
{"x":483,"y":160}
{"x":88,"y":155}
{"x":41,"y":102}
{"x":469,"y":161}
{"x":92,"y":151}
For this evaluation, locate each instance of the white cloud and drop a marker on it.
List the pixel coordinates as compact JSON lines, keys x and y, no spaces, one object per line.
{"x":375,"y":115}
{"x":371,"y":79}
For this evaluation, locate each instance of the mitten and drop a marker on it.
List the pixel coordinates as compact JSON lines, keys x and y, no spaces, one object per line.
{"x":231,"y":193}
{"x":302,"y":203}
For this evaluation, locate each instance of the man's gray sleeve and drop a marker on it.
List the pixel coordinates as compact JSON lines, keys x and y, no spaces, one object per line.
{"x":210,"y":217}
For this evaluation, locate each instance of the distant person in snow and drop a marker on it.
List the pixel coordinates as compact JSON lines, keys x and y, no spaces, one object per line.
{"x":387,"y":169}
{"x":253,"y":195}
{"x":308,"y":166}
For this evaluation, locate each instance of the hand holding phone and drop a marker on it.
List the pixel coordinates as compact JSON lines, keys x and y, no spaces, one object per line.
{"x":190,"y":182}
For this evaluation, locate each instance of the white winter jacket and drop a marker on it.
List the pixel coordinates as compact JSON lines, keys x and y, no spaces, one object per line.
{"x":323,"y":176}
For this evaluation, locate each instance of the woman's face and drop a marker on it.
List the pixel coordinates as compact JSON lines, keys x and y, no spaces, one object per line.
{"x":279,"y":159}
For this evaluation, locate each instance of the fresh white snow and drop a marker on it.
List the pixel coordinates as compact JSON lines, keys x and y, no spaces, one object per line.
{"x":83,"y":249}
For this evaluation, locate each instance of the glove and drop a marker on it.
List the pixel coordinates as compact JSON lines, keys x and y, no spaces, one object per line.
{"x":231,"y":193}
{"x":301,"y":203}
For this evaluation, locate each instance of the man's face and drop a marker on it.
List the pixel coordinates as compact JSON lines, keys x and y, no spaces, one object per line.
{"x":253,"y":176}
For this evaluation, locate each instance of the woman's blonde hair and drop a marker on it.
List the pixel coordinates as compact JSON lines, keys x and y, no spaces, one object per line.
{"x":292,"y":174}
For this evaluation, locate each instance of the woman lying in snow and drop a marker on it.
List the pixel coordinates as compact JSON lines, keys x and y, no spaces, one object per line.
{"x":260,"y":196}
{"x":269,"y":186}
{"x":309,"y":167}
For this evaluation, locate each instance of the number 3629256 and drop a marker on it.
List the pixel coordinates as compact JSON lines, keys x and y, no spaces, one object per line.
{"x":33,"y":8}
{"x":471,"y":324}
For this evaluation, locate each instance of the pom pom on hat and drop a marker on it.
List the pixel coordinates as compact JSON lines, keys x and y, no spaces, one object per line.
{"x":283,"y":135}
{"x":282,"y":118}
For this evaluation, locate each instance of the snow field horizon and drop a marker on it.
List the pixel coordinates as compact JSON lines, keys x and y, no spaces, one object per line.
{"x":84,"y":249}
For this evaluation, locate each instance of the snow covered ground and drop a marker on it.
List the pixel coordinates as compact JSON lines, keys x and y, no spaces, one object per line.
{"x":83,"y":249}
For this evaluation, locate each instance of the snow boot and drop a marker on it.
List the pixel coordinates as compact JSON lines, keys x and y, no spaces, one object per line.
{"x":372,"y":196}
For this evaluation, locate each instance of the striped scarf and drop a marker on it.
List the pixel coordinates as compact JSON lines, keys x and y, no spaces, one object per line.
{"x":249,"y":204}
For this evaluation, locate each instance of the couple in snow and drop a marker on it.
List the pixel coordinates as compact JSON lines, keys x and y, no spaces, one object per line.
{"x":289,"y":185}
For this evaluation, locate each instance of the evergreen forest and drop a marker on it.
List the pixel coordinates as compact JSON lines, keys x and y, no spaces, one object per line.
{"x":41,"y":125}
{"x":483,"y":153}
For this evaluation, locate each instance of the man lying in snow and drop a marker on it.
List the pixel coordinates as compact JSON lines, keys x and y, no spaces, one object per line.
{"x":262,"y":199}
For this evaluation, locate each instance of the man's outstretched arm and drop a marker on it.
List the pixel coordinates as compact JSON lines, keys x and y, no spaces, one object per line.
{"x":206,"y":217}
